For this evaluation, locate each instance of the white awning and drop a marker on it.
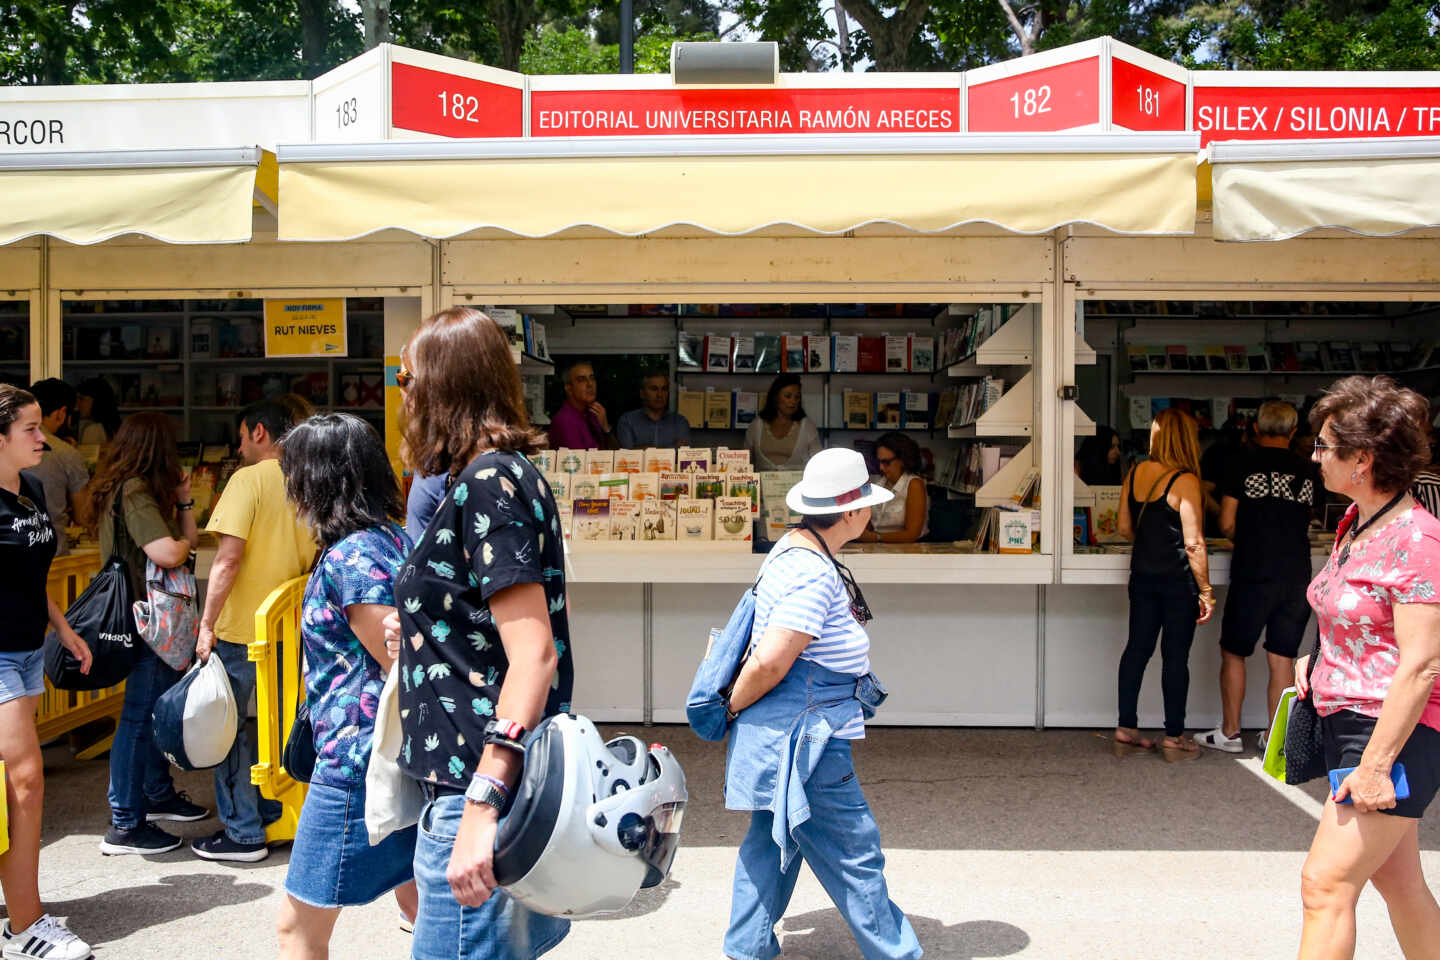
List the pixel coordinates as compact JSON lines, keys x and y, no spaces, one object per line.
{"x":731,"y":186}
{"x":179,"y":196}
{"x":1274,"y":190}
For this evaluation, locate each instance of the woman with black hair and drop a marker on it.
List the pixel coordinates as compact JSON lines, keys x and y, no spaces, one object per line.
{"x":781,"y":437}
{"x":906,"y":517}
{"x":338,"y":476}
{"x":1100,"y":459}
{"x":97,"y":413}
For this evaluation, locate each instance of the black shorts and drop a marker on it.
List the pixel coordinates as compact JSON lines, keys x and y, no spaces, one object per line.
{"x":1346,"y":734}
{"x":1279,"y":608}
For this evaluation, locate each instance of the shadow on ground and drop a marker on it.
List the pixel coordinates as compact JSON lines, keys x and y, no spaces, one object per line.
{"x":823,"y":933}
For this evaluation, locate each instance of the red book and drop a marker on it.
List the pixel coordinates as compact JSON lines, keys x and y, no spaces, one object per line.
{"x":872,"y":355}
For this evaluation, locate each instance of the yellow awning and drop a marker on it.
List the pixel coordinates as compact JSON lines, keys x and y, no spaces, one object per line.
{"x":1134,"y":184}
{"x":179,"y":196}
{"x":1275,"y":190}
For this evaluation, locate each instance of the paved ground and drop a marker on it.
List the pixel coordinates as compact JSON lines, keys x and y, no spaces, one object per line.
{"x":1000,"y":844}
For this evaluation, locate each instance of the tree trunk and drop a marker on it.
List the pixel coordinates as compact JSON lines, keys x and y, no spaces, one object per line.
{"x":513,"y":20}
{"x":891,"y":36}
{"x":314,"y":36}
{"x":842,"y":31}
{"x":1027,"y":37}
{"x":376,"y":15}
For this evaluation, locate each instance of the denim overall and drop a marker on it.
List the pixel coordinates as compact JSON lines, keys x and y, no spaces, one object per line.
{"x":784,"y":765}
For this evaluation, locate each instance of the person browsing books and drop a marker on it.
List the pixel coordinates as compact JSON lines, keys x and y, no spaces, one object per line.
{"x":1377,"y":604}
{"x":782,"y":437}
{"x":906,"y":518}
{"x":580,"y":423}
{"x":653,"y":425}
{"x":62,"y":470}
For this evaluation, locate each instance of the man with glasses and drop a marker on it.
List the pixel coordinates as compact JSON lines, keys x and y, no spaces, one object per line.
{"x":581,"y":422}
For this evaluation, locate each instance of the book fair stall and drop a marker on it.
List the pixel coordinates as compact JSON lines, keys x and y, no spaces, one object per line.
{"x":996,"y":264}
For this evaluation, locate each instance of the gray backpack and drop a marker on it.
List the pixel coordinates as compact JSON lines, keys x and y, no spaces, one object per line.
{"x":169,"y":618}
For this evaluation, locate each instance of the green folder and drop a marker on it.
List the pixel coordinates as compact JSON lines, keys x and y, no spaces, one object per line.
{"x":1274,"y":762}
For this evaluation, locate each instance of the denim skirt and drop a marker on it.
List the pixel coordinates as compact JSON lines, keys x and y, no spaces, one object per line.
{"x":332,"y":863}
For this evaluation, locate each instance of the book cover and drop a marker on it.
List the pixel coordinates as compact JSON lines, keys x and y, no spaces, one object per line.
{"x":717,"y":409}
{"x":544,"y":460}
{"x":1029,"y":484}
{"x":897,"y":354}
{"x":846,"y":356}
{"x":203,"y":479}
{"x":1256,"y":359}
{"x":767,"y":353}
{"x":565,"y":512}
{"x":732,"y":460}
{"x":1196,"y":355}
{"x":916,"y":412}
{"x":1139,"y":358}
{"x":1107,"y":514}
{"x":1342,"y":357}
{"x":189,"y":453}
{"x":624,"y":520}
{"x":742,"y":355}
{"x":742,"y":483}
{"x":585,"y":486}
{"x":793,"y":353}
{"x":708,"y":486}
{"x":887,"y":410}
{"x":858,"y":410}
{"x":689,"y":351}
{"x":540,"y":345}
{"x":1177,"y":357}
{"x":202,"y":339}
{"x":1214,"y":357}
{"x":599,"y":461}
{"x":675,"y":485}
{"x":818,"y":350}
{"x":644,"y":486}
{"x":559,"y":486}
{"x":1401,"y":354}
{"x":569,"y":461}
{"x":732,"y":518}
{"x":657,"y":520}
{"x":1308,"y":356}
{"x":214,"y":452}
{"x":694,"y":519}
{"x":690,"y":404}
{"x":1158,"y":359}
{"x":747,"y":406}
{"x":659,"y":459}
{"x":629,"y":461}
{"x":1235,"y":357}
{"x":872,"y":355}
{"x":616,"y":486}
{"x":1370,"y":357}
{"x":717,"y":354}
{"x":591,"y":519}
{"x":922,"y":354}
{"x":1081,"y":530}
{"x":692,"y":459}
{"x":1014,"y":531}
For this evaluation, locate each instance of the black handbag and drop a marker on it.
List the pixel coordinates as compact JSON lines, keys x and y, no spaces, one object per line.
{"x":1304,"y":742}
{"x":299,"y":756}
{"x":103,"y":617}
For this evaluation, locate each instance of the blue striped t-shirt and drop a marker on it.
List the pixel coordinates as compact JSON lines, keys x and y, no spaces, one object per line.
{"x":801,"y":591}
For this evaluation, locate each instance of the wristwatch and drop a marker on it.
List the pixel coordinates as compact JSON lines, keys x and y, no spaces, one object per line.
{"x":483,"y":791}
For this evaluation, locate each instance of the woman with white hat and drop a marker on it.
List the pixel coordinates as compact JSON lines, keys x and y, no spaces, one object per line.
{"x":800,"y":699}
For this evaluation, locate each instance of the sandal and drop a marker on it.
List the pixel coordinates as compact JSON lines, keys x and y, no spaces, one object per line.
{"x":1176,"y":749}
{"x":1127,"y":740}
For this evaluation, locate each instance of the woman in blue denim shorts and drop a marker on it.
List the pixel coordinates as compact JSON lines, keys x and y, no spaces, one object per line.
{"x":27,"y":545}
{"x":339,"y":478}
{"x":801,"y":698}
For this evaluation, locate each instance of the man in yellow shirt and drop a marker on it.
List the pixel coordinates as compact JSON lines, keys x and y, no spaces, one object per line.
{"x":262,"y":545}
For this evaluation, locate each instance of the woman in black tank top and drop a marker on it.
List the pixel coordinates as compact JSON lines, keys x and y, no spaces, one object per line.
{"x":1162,"y":512}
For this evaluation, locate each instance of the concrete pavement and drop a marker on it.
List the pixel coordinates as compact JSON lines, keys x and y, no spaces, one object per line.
{"x":1000,"y":843}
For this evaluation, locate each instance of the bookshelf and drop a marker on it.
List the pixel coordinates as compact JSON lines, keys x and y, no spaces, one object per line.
{"x":201,"y":361}
{"x":15,"y":342}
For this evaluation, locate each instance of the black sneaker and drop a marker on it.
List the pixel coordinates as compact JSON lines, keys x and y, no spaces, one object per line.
{"x":178,"y":808}
{"x":219,"y":846}
{"x":144,"y":840}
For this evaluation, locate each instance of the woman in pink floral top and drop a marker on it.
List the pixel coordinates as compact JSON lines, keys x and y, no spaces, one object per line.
{"x":1374,"y":684}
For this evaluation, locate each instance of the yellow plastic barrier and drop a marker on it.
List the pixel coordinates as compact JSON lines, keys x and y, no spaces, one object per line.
{"x":63,"y":711}
{"x":279,"y":687}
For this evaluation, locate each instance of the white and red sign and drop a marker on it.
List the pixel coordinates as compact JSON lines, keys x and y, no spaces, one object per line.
{"x":1049,"y":98}
{"x":666,"y":112}
{"x":1234,"y":112}
{"x":1142,"y":99}
{"x":451,"y":105}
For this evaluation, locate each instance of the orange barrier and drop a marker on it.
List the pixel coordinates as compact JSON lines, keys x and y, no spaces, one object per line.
{"x":279,"y":688}
{"x":64,"y":711}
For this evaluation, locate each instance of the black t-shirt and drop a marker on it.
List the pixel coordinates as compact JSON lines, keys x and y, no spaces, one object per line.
{"x":1276,"y":494}
{"x":27,"y":545}
{"x":496,"y":527}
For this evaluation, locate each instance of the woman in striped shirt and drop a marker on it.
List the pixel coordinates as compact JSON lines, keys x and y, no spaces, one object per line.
{"x":801,"y":698}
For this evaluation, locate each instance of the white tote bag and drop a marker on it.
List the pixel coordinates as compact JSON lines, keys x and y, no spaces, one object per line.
{"x":393,"y":800}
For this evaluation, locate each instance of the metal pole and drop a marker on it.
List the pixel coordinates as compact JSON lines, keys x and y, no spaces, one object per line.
{"x":627,"y":37}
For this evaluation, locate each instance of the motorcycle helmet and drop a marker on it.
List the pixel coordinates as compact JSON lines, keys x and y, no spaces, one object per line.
{"x":590,"y":822}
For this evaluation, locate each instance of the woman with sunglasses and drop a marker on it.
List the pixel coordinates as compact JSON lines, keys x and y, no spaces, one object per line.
{"x":906,"y":518}
{"x":1377,"y":605}
{"x":800,"y":700}
{"x":27,"y":545}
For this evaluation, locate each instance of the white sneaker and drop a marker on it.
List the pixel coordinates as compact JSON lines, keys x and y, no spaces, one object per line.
{"x":45,"y":939}
{"x":1216,"y":740}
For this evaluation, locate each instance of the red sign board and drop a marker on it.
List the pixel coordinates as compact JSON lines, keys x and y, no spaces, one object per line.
{"x":1303,"y":113}
{"x":621,"y":113}
{"x":448,"y":105}
{"x":1051,"y":98}
{"x":1143,"y":99}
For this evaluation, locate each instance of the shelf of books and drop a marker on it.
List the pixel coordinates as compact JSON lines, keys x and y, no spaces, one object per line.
{"x":202,"y":361}
{"x":15,"y":342}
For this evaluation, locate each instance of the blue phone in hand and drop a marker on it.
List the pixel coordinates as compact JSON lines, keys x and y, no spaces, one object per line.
{"x":1397,"y":774}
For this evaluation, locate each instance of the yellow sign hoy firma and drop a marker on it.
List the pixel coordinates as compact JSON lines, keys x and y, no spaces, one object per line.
{"x":305,"y":328}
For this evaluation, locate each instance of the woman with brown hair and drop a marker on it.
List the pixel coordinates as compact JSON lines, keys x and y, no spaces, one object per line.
{"x":1169,"y":579}
{"x":482,"y":632}
{"x":138,"y":482}
{"x":1374,"y":682}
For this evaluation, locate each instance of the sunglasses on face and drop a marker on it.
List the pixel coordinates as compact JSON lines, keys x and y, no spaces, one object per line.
{"x":886,"y":461}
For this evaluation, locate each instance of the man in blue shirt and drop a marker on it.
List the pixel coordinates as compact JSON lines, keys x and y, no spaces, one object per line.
{"x":653,"y":425}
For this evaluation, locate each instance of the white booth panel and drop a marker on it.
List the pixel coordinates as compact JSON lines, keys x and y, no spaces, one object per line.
{"x":1085,"y":634}
{"x":607,"y":637}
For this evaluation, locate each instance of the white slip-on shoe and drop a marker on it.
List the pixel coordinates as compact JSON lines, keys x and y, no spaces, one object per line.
{"x":1216,"y":740}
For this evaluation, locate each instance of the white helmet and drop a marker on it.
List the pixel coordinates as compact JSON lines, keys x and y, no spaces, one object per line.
{"x":591,"y":822}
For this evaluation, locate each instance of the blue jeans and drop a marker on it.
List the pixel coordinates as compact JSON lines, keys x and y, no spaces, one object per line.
{"x":139,"y":775}
{"x":237,"y":800}
{"x":500,"y":929}
{"x":841,"y":843}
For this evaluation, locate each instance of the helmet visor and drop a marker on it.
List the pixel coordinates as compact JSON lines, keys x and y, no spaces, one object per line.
{"x":662,"y":840}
